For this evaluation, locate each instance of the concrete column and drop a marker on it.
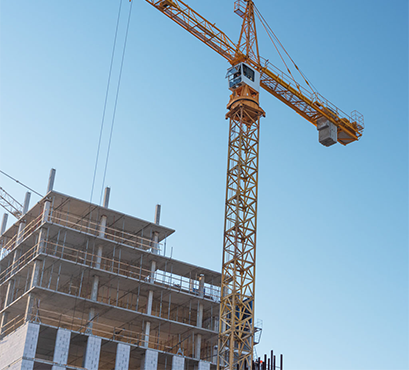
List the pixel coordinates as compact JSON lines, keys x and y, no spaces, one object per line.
{"x":46,"y":212}
{"x":102,"y":226}
{"x":94,"y":290}
{"x":107,"y":194}
{"x":199,"y":321}
{"x":61,"y":348}
{"x":199,"y":315}
{"x":2,"y":230}
{"x":7,"y":299}
{"x":95,"y":283}
{"x":98,"y":258}
{"x":157,"y":214}
{"x":149,"y":312}
{"x":34,"y":282}
{"x":4,"y":223}
{"x":94,"y":296}
{"x":149,"y":304}
{"x":198,"y":345}
{"x":150,"y":360}
{"x":36,"y":273}
{"x":214,"y":353}
{"x":123,"y":352}
{"x":155,"y":238}
{"x":29,"y":306}
{"x":16,"y":256}
{"x":201,"y":285}
{"x":5,"y":314}
{"x":51,"y":179}
{"x":152,"y":273}
{"x":178,"y":362}
{"x":3,"y":322}
{"x":22,"y":225}
{"x":147,"y":333}
{"x":155,"y":244}
{"x":91,"y":317}
{"x":91,"y":358}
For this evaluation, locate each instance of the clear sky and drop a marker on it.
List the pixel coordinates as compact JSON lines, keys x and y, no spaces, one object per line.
{"x":332,"y":252}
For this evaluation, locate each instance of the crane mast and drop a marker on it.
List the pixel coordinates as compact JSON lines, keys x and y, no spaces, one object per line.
{"x":245,"y":77}
{"x":236,"y":322}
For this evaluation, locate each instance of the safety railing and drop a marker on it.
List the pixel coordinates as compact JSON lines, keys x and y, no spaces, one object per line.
{"x":116,"y":266}
{"x":315,"y":97}
{"x":18,"y":264}
{"x":28,"y":229}
{"x":12,"y":325}
{"x":90,"y":227}
{"x":113,"y":265}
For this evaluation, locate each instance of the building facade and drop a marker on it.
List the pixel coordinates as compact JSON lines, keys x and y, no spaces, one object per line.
{"x":84,"y":286}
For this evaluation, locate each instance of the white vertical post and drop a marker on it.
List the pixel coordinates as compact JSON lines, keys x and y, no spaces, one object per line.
{"x":51,"y":179}
{"x":34,"y":281}
{"x":149,"y":303}
{"x":150,"y":360}
{"x":30,"y":347}
{"x":95,"y":282}
{"x":198,"y":345}
{"x":61,"y":348}
{"x":155,"y":246}
{"x":178,"y":362}
{"x":199,"y":321}
{"x":4,"y":223}
{"x":3,"y":322}
{"x":123,"y":352}
{"x":21,"y":227}
{"x":2,"y":230}
{"x":46,"y":211}
{"x":91,"y":359}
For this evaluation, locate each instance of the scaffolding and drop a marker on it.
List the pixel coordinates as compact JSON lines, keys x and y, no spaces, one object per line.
{"x":93,"y":271}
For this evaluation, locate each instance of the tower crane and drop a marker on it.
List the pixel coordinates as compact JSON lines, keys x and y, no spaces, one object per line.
{"x":10,"y":204}
{"x":245,"y":77}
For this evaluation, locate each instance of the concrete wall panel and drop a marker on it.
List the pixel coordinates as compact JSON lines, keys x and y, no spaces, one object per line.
{"x":92,"y":353}
{"x":150,"y":360}
{"x":122,"y":356}
{"x":203,"y":365}
{"x":178,"y":363}
{"x":62,"y":346}
{"x":22,"y":342}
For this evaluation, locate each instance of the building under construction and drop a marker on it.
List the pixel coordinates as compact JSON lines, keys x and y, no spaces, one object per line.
{"x":84,"y":286}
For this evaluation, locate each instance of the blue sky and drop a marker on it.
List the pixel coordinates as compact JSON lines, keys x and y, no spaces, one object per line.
{"x":332,"y":252}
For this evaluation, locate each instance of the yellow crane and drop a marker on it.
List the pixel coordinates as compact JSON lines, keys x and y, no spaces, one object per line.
{"x":10,"y":204}
{"x":245,"y":77}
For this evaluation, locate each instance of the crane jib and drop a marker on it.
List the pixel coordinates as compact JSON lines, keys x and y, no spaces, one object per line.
{"x":312,"y":106}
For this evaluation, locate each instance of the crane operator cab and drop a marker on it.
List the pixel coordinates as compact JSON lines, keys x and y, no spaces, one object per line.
{"x":243,"y":74}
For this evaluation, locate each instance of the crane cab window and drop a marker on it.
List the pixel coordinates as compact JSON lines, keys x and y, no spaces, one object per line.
{"x":248,"y":72}
{"x":234,"y":76}
{"x":242,"y":74}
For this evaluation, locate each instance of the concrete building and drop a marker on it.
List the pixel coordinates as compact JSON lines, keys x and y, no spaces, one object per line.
{"x":84,"y":286}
